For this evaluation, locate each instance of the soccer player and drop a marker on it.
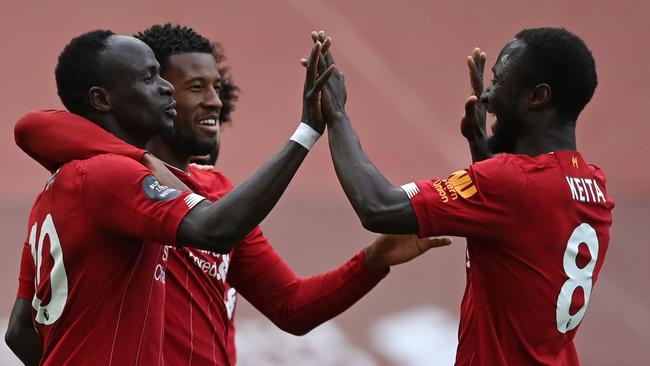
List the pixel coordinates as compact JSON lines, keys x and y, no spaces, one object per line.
{"x":201,"y":285}
{"x":536,"y":215}
{"x":93,"y":266}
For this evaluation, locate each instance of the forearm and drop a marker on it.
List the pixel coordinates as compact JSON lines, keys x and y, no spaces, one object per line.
{"x":381,"y":206}
{"x":225,"y":223}
{"x":298,"y":305}
{"x":21,"y":337}
{"x":54,"y":137}
{"x":26,"y":345}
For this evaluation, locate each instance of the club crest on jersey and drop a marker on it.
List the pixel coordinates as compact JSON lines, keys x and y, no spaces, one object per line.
{"x":157,"y":192}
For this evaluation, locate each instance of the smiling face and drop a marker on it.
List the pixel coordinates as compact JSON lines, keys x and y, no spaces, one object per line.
{"x":141,"y":100}
{"x":197,"y":82}
{"x":506,"y":97}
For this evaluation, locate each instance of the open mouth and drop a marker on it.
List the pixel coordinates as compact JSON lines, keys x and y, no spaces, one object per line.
{"x":170,"y":109}
{"x":209,"y":125}
{"x":496,"y":121}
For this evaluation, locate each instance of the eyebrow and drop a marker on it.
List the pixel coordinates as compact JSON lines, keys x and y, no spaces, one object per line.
{"x":200,"y":78}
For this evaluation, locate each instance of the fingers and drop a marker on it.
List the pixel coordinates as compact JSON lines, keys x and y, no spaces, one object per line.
{"x":475,"y":76}
{"x":324,"y":77}
{"x":312,"y":66}
{"x":436,"y":242}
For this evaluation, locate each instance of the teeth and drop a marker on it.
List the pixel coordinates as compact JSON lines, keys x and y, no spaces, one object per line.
{"x":208,"y":122}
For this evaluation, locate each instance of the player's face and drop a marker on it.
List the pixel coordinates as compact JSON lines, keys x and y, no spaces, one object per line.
{"x":197,"y":81}
{"x":141,"y":101}
{"x":505,"y":98}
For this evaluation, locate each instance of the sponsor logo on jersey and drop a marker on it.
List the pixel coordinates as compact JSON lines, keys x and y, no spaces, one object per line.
{"x":156,"y":191}
{"x":462,"y":183}
{"x":574,"y":161}
{"x":459,"y":184}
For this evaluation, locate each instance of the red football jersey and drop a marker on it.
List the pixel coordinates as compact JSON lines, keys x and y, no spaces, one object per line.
{"x":92,"y":265}
{"x":202,"y":289}
{"x":200,"y":285}
{"x":537,"y":232}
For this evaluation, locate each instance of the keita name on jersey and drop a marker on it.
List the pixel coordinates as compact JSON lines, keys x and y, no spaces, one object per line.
{"x":585,"y":190}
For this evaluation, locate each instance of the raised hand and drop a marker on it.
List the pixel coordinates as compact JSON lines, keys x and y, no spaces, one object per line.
{"x":472,"y":125}
{"x":391,"y":250}
{"x":334,"y":94}
{"x":314,"y":82}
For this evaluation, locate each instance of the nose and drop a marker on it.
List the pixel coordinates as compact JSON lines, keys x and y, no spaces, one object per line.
{"x":212,"y":99}
{"x":166,"y":88}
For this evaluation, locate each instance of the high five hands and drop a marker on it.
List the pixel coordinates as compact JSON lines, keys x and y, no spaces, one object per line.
{"x":386,"y":250}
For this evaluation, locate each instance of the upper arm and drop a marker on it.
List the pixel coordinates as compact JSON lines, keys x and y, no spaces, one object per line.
{"x":477,"y":201}
{"x":54,"y":137}
{"x":126,"y":199}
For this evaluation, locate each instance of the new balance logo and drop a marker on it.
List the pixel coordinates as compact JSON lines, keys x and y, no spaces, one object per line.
{"x":193,"y":199}
{"x":411,"y":189}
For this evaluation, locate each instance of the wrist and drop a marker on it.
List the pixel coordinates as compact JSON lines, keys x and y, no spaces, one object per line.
{"x":334,"y":117}
{"x":374,"y":261}
{"x":305,"y":135}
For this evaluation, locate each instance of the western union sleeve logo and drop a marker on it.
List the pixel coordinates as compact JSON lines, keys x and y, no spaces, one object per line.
{"x":462,"y":183}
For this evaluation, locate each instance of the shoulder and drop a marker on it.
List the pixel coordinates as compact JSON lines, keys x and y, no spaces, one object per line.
{"x":502,"y":175}
{"x":210,"y":176}
{"x":502,"y":168}
{"x":111,"y":169}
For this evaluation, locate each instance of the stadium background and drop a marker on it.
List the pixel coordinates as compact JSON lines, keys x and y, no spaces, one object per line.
{"x":407,"y":81}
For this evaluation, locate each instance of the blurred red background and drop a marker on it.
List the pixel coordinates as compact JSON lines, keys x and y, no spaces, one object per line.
{"x":407,"y":82}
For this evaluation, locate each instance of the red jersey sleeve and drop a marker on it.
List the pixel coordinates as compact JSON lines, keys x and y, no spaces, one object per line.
{"x":126,"y":199}
{"x":294,"y":304}
{"x":477,"y":201}
{"x":26,"y":287}
{"x":53,"y":137}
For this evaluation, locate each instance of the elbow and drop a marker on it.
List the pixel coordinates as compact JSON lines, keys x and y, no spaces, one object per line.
{"x":298,"y":330}
{"x":373,"y":219}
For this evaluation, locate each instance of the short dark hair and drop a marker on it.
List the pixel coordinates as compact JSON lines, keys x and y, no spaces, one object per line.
{"x":561,"y":59}
{"x":167,"y":40}
{"x":79,"y":69}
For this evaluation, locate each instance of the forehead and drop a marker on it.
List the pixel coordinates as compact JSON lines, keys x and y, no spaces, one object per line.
{"x":192,"y":65}
{"x":128,"y":53}
{"x":509,"y":56}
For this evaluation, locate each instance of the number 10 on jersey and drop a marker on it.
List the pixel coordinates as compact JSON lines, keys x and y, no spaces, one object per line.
{"x":58,"y":279}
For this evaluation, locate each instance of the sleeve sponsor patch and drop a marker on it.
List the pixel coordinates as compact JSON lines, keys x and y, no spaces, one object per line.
{"x":157,"y":192}
{"x":458,"y":184}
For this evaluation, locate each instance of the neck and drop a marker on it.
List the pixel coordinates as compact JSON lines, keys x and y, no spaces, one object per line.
{"x":161,"y":149}
{"x":546,"y":137}
{"x":108,"y":123}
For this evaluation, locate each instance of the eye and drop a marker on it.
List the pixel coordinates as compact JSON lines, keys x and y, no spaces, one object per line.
{"x":196,"y":88}
{"x":148,"y":79}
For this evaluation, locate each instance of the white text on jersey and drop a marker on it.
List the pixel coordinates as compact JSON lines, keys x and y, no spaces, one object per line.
{"x":585,"y":190}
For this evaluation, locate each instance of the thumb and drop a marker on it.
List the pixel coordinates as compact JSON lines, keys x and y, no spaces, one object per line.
{"x":470,"y":104}
{"x":433,"y":242}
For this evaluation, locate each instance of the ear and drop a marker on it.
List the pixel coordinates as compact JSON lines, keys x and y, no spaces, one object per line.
{"x":540,"y":97}
{"x":100,"y":99}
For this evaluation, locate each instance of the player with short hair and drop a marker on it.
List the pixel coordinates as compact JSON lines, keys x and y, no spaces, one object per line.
{"x":93,"y":266}
{"x":536,"y":216}
{"x":201,"y":285}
